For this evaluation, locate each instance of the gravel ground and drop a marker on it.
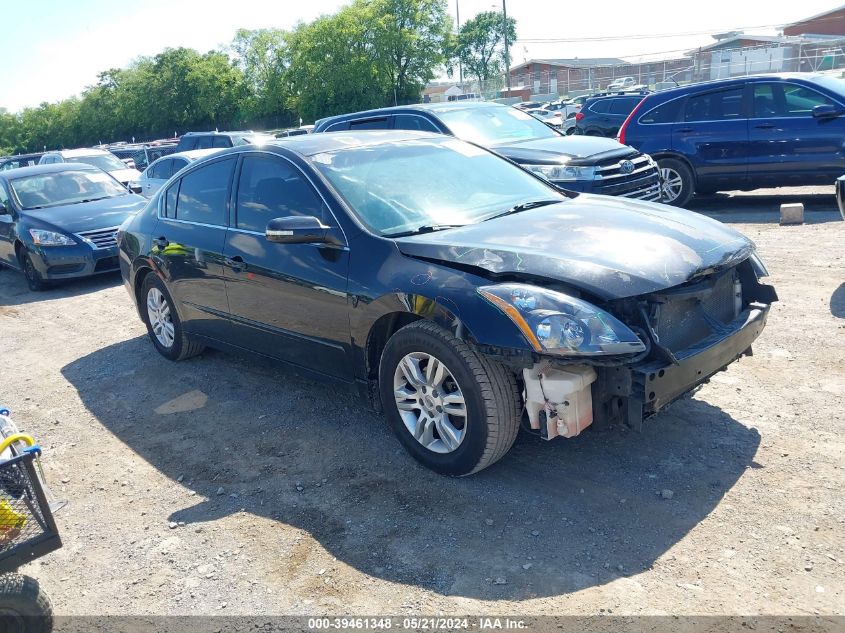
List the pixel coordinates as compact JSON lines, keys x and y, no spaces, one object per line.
{"x":229,"y":485}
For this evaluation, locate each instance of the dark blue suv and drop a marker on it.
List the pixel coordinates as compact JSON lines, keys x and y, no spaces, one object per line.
{"x":743,"y":133}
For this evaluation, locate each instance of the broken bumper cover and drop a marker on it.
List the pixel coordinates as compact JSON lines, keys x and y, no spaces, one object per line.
{"x":654,"y":385}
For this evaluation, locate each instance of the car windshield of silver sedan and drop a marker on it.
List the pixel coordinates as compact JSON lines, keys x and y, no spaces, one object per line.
{"x":64,"y":188}
{"x":106,"y":162}
{"x":495,"y":126}
{"x":417,"y":186}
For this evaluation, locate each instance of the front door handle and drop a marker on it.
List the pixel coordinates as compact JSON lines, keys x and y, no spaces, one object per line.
{"x":765,"y":126}
{"x":161,"y":242}
{"x":685,"y":130}
{"x":236,"y":263}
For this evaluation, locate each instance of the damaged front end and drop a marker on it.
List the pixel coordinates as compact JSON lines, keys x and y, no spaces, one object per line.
{"x":630,"y":358}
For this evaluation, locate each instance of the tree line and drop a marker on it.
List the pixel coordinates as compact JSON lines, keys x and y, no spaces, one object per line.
{"x":370,"y":54}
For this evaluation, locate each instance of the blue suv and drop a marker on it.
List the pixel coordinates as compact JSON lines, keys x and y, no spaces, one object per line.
{"x":743,"y":133}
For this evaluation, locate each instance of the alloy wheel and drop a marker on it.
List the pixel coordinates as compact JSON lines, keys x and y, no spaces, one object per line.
{"x":430,"y":402}
{"x":673,"y":184}
{"x":158,"y":311}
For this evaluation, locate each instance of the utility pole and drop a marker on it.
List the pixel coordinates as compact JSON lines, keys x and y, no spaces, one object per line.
{"x":507,"y":56}
{"x":460,"y":65}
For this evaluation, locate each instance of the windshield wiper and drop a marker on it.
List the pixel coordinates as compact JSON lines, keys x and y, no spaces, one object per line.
{"x":425,"y":228}
{"x":524,"y":206}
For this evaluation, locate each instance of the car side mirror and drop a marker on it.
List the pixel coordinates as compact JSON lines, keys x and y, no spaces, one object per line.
{"x":826,"y":111}
{"x":297,"y":229}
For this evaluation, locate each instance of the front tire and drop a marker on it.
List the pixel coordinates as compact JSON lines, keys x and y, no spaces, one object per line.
{"x":163,"y":324}
{"x":454,"y":410}
{"x":677,"y":180}
{"x":24,"y":607}
{"x":34,"y":279}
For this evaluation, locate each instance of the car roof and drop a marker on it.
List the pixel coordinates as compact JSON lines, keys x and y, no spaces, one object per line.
{"x":731,"y":81}
{"x":311,"y":144}
{"x":191,"y":154}
{"x":448,"y":106}
{"x":34,"y":170}
{"x":81,"y":151}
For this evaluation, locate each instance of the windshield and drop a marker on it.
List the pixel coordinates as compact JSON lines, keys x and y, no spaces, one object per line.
{"x":834,"y":84}
{"x":106,"y":162}
{"x":67,"y":187}
{"x":403,"y":186}
{"x":495,"y":126}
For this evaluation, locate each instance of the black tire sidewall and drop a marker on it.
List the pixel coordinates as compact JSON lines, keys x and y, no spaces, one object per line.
{"x":464,"y":459}
{"x":687,"y":180}
{"x":30,"y":273}
{"x":174,"y":351}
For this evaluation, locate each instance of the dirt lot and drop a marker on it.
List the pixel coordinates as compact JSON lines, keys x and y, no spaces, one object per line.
{"x":226,"y":485}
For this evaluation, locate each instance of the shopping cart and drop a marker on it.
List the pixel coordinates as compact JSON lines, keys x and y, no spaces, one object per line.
{"x":27,"y":531}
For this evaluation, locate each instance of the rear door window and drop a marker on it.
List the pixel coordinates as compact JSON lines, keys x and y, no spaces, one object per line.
{"x":600,"y":107}
{"x":623,"y":106}
{"x":413,"y":122}
{"x":380,"y":123}
{"x":723,"y":105}
{"x":204,"y":142}
{"x":221,"y":141}
{"x":204,"y":194}
{"x":161,"y":170}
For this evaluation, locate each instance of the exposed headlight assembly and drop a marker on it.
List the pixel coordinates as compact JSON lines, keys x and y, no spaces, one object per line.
{"x":555,"y":323}
{"x":50,"y":238}
{"x":564,"y":173}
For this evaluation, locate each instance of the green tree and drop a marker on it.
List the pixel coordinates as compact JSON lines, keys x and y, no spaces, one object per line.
{"x":261,"y":55}
{"x":479,"y":45}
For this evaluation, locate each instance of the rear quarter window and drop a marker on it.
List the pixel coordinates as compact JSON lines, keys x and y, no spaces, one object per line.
{"x":664,"y":113}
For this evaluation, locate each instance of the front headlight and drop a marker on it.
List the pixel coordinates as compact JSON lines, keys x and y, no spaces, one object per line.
{"x":50,"y":238}
{"x":563,"y":172}
{"x":556,"y":323}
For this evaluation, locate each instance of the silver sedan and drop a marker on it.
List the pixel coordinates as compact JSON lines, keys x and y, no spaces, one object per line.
{"x":160,"y":171}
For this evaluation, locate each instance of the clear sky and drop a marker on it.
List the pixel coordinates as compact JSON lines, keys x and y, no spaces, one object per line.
{"x":52,"y":49}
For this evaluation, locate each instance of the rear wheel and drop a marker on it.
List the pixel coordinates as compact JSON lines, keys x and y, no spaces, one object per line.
{"x":24,"y":607}
{"x":163,"y":324}
{"x":678,"y":183}
{"x":453,"y":409}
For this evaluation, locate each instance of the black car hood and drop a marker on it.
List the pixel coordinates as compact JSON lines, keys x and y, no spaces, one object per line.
{"x":610,"y":247}
{"x":88,"y":216}
{"x":574,"y":150}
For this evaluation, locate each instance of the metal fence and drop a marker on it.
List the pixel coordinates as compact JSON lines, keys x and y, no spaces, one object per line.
{"x":542,"y":81}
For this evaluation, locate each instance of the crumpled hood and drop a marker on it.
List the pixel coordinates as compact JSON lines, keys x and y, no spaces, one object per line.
{"x":87,"y":216}
{"x":610,"y":247}
{"x":574,"y":150}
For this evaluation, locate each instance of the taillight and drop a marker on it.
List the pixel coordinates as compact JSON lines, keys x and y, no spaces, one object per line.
{"x":579,"y":116}
{"x":621,"y":135}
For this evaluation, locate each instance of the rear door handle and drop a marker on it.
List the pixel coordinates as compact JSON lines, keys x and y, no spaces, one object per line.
{"x":236,"y":263}
{"x":161,"y":242}
{"x":685,"y":130}
{"x":765,"y":126}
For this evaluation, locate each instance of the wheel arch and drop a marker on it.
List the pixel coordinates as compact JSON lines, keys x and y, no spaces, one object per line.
{"x":681,"y":159}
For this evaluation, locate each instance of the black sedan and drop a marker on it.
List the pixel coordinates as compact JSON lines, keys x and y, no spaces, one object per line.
{"x":458,"y":291}
{"x":60,"y":221}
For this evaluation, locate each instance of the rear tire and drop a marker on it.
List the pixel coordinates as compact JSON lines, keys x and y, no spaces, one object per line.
{"x":164,"y":327}
{"x":678,"y":182}
{"x":24,"y":607}
{"x":487,"y":390}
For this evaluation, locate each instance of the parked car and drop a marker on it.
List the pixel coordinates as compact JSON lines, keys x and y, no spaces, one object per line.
{"x":21,"y":160}
{"x":743,"y":133}
{"x":101,"y":158}
{"x":565,"y":108}
{"x":621,"y":83}
{"x":161,"y":170}
{"x":603,"y":116}
{"x":452,"y":287}
{"x":219,"y":140}
{"x":60,"y":221}
{"x":549,"y":118}
{"x":527,"y":105}
{"x":294,"y":131}
{"x":578,"y":163}
{"x":142,"y":155}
